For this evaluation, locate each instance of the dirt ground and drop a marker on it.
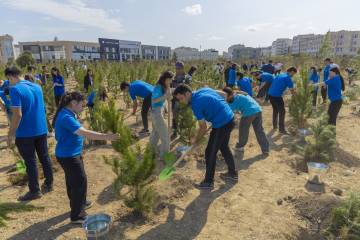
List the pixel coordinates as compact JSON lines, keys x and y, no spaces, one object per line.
{"x":272,"y":199}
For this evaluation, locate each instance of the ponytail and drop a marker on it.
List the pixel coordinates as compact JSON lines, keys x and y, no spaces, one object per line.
{"x":163,"y":78}
{"x":337,"y":71}
{"x":65,"y":101}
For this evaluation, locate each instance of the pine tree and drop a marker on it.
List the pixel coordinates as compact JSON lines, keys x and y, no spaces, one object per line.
{"x":300,"y":107}
{"x":322,"y":142}
{"x":325,"y":49}
{"x":186,"y":123}
{"x":133,"y":168}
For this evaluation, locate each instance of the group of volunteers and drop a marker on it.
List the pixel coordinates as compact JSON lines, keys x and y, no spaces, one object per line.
{"x":22,"y":101}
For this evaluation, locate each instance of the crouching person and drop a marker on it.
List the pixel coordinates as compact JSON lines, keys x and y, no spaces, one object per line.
{"x":251,"y":115}
{"x":208,"y":105}
{"x":69,"y":135}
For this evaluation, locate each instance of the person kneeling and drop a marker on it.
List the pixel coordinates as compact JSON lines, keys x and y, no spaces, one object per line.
{"x":251,"y":115}
{"x":69,"y":135}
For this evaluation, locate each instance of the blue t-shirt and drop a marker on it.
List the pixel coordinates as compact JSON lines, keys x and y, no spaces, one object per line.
{"x":314,"y":77}
{"x":266,"y":77}
{"x":68,"y":143}
{"x":334,"y":88}
{"x":157,"y":93}
{"x":208,"y":105}
{"x":280,"y":84}
{"x":245,"y":104}
{"x":29,"y":97}
{"x":232,"y":77}
{"x":245,"y":85}
{"x":91,"y":97}
{"x":140,"y":88}
{"x":326,"y":72}
{"x":59,"y":90}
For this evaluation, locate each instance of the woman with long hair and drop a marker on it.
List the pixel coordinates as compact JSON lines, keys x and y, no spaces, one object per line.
{"x":59,"y":85}
{"x":160,"y":131}
{"x":335,"y":85}
{"x":69,"y":135}
{"x":88,"y":80}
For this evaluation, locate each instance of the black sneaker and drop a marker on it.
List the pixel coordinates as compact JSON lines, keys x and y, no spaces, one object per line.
{"x":79,"y":220}
{"x":284,"y":132}
{"x":46,"y":188}
{"x":229,"y":176}
{"x":144,"y":131}
{"x":30,"y":196}
{"x":265,"y":154}
{"x":88,"y":205}
{"x":173,"y":136}
{"x":205,"y":185}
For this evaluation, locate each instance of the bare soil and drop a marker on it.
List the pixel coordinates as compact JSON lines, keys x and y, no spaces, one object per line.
{"x":272,"y":199}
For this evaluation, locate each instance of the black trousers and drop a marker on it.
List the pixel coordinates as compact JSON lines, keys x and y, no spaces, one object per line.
{"x":324,"y":93}
{"x":76,"y":184}
{"x":314,"y":95}
{"x":278,"y":112}
{"x":219,"y":140}
{"x":333,"y":111}
{"x":145,"y":110}
{"x":27,"y":148}
{"x":175,"y":112}
{"x":57,"y":100}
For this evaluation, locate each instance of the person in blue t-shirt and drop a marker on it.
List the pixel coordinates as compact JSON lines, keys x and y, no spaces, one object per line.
{"x":335,"y":85}
{"x":314,"y":78}
{"x":251,"y":115}
{"x":28,"y":127}
{"x":276,"y":91}
{"x":269,"y":68}
{"x":91,"y":100}
{"x":69,"y":135}
{"x":59,"y":85}
{"x":231,"y":81}
{"x":326,"y":72}
{"x":208,"y":105}
{"x":160,"y":130}
{"x":266,"y":80}
{"x":143,"y":90}
{"x":5,"y":103}
{"x":244,"y":83}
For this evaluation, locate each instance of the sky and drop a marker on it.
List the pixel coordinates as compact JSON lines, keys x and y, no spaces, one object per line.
{"x":207,"y":23}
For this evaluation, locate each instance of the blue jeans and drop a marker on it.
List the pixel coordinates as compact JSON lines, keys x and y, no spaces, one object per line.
{"x":27,"y":148}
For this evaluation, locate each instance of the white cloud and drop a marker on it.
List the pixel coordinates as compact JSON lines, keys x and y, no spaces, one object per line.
{"x":74,"y":11}
{"x":193,"y":10}
{"x":161,"y":37}
{"x":215,"y":38}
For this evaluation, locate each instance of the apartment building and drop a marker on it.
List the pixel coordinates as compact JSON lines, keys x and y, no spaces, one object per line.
{"x":187,"y":53}
{"x":47,"y":51}
{"x":129,"y":50}
{"x":307,"y":44}
{"x":209,"y":55}
{"x":281,"y":46}
{"x":345,"y":42}
{"x":6,"y":48}
{"x":265,"y":52}
{"x":239,"y":52}
{"x":149,"y":52}
{"x":163,"y":53}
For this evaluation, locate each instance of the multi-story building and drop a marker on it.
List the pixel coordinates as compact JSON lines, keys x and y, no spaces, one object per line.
{"x":6,"y":48}
{"x":281,"y":46}
{"x":187,"y":53}
{"x":307,"y":44}
{"x":265,"y":52}
{"x":149,"y":52}
{"x":61,"y":50}
{"x":209,"y":55}
{"x":109,"y":49}
{"x":345,"y":42}
{"x":129,"y":50}
{"x":232,"y":48}
{"x":239,"y":52}
{"x":163,"y":53}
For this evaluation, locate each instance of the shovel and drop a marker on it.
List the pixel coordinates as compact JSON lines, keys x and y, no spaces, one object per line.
{"x":170,"y":169}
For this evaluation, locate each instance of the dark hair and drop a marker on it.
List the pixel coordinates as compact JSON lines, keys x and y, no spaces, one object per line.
{"x":337,"y":71}
{"x":240,"y":74}
{"x":88,"y":71}
{"x":292,"y":69}
{"x":314,"y":69}
{"x":55,"y":69}
{"x":270,"y":61}
{"x":30,"y":68}
{"x":182,"y":89}
{"x":228,"y":91}
{"x":327,"y":60}
{"x":192,"y":70}
{"x":12,"y":71}
{"x":124,"y":85}
{"x":65,"y":100}
{"x":165,"y":75}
